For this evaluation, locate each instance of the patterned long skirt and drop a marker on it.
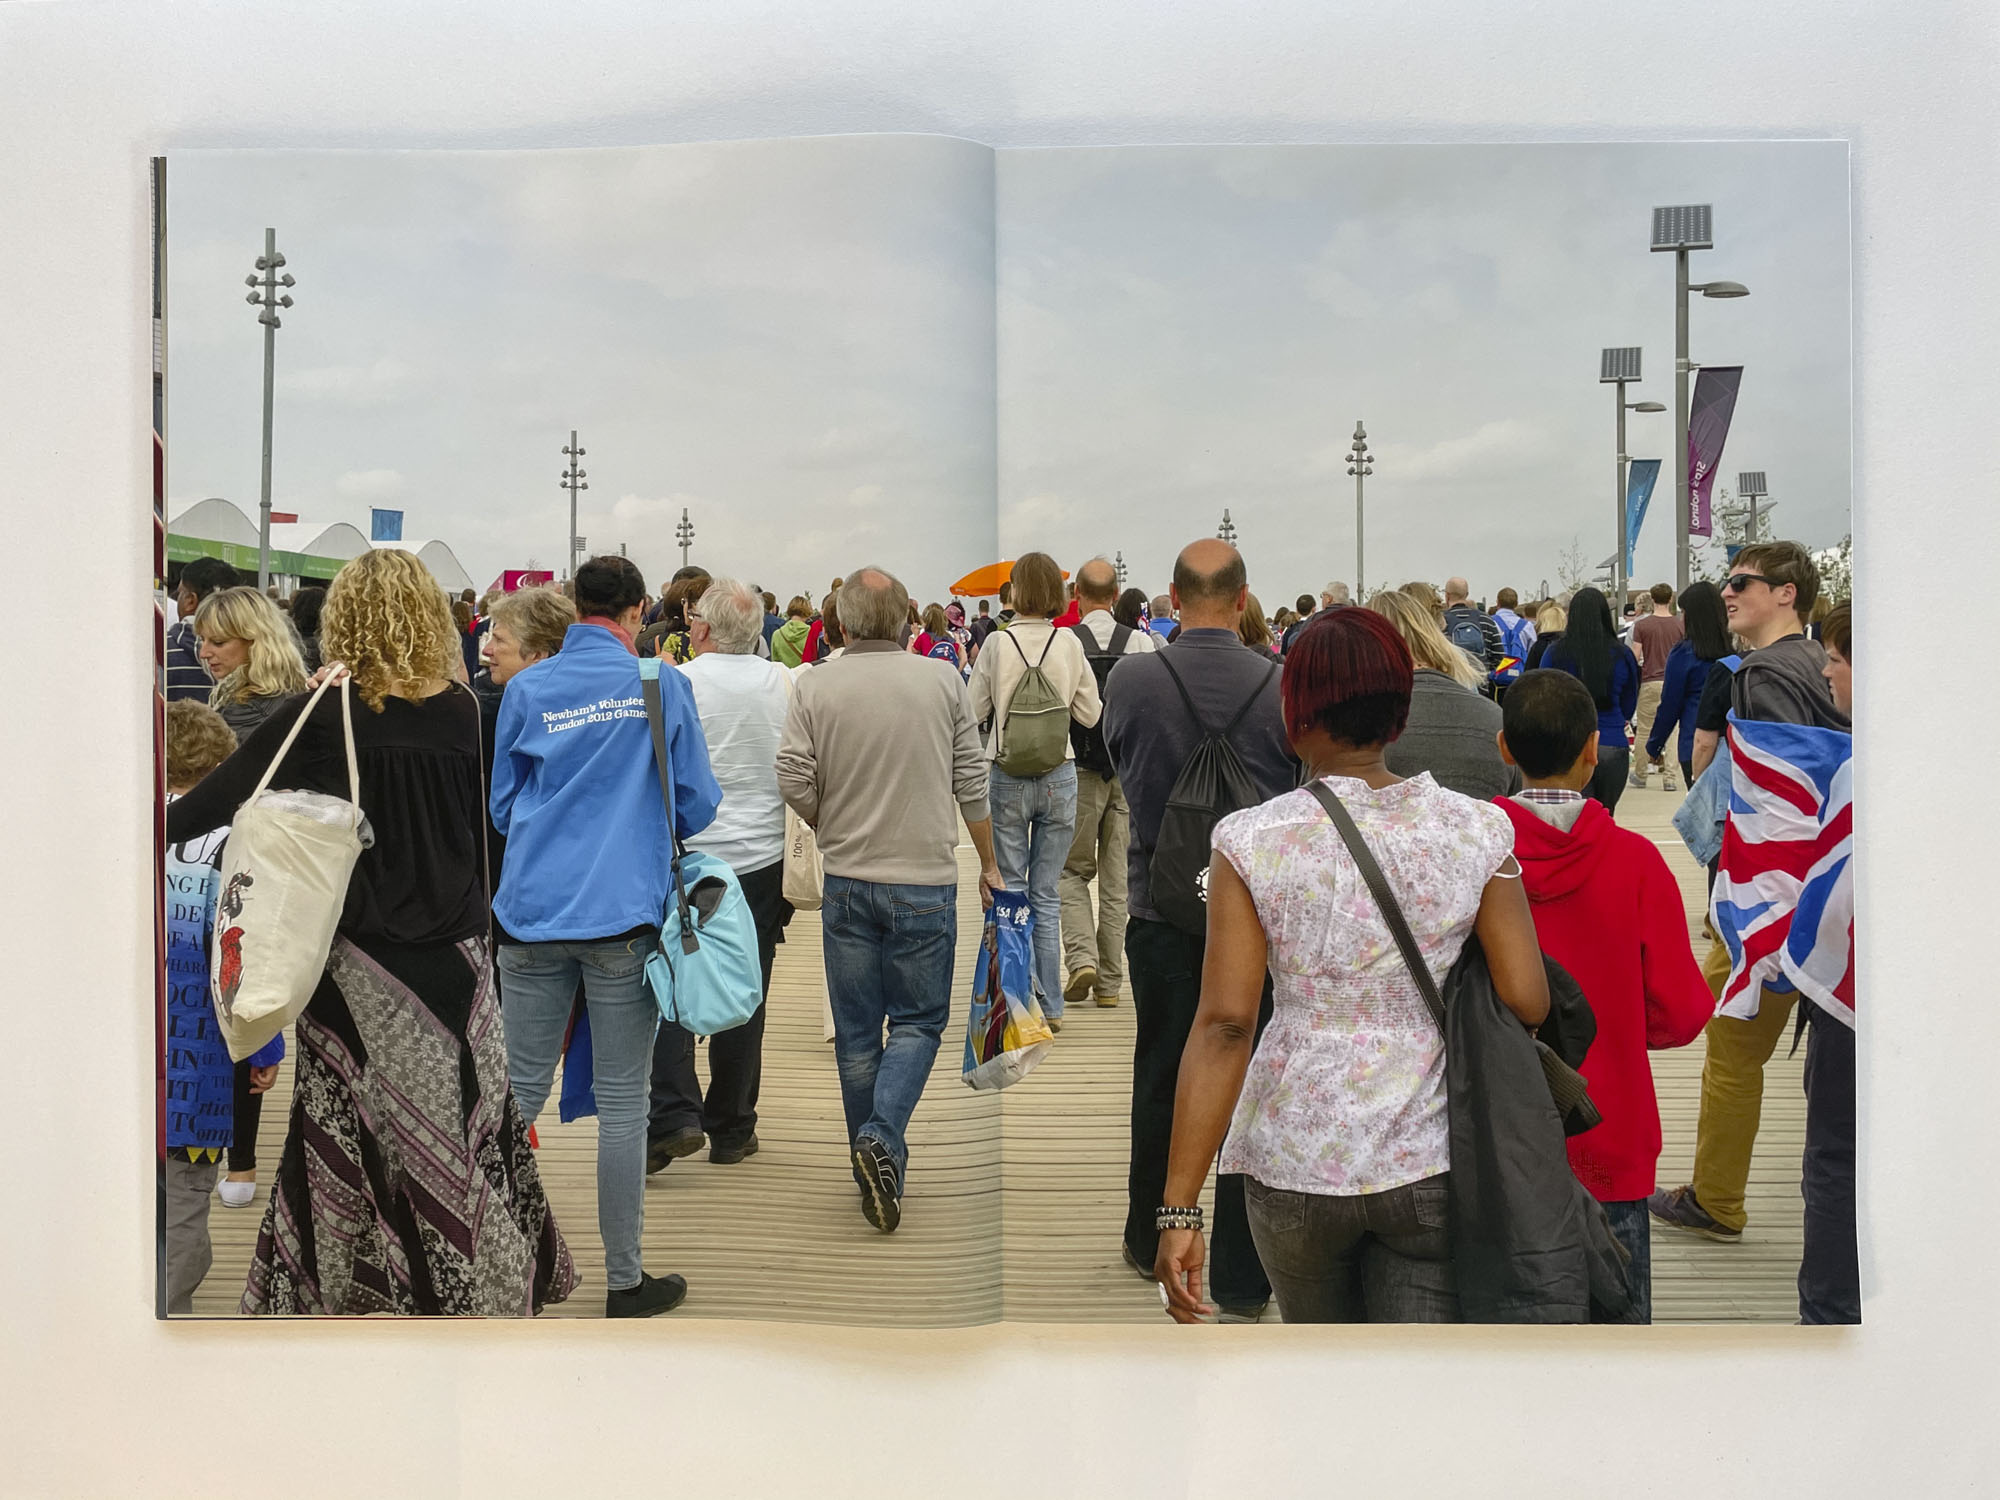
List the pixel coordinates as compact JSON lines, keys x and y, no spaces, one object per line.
{"x":406,"y":1184}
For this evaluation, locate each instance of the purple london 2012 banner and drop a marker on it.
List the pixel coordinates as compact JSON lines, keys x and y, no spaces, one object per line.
{"x":1640,"y":478}
{"x":1709,"y":412}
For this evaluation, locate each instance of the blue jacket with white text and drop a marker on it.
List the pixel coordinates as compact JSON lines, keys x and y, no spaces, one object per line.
{"x":577,"y":797}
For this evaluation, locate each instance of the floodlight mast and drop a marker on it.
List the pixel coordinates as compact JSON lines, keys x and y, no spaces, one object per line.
{"x":265,"y":294}
{"x":573,"y":481}
{"x":1360,"y":466}
{"x":1227,"y":530}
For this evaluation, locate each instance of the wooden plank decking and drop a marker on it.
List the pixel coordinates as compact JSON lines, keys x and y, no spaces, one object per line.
{"x":780,"y":1236}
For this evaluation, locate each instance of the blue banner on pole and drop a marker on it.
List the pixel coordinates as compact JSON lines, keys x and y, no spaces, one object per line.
{"x":1640,"y":477}
{"x":387,"y":525}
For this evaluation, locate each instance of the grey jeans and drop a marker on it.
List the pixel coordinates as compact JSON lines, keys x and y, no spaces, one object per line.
{"x":189,"y":1254}
{"x":1364,"y":1258}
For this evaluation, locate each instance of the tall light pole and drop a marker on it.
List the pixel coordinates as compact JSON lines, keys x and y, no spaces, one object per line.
{"x":1360,"y":465}
{"x":1619,"y":367}
{"x":1227,"y":530}
{"x":265,"y":294}
{"x":1118,"y":567}
{"x":1751,"y":487}
{"x":1681,"y":229}
{"x":685,"y":531}
{"x":572,"y":480}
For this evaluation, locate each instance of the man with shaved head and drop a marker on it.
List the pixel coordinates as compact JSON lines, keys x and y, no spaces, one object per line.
{"x":1094,"y":940}
{"x":1469,"y":627}
{"x":1158,"y":708}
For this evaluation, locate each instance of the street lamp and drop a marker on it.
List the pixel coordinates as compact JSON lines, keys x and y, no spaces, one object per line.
{"x":1619,"y":367}
{"x":1360,"y":465}
{"x":1227,"y":530}
{"x":1118,"y":567}
{"x":265,"y":294}
{"x":572,"y":480}
{"x":685,"y":531}
{"x":1681,"y":229}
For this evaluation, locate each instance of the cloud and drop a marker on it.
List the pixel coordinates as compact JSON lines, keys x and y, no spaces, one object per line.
{"x":370,"y":484}
{"x":1503,"y":447}
{"x":385,"y":380}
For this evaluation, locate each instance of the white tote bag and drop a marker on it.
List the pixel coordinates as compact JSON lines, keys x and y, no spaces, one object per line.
{"x":805,"y":884}
{"x":284,"y":882}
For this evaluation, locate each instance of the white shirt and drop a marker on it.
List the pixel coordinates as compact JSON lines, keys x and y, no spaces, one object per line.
{"x":1003,"y":663}
{"x":742,"y":702}
{"x":1100,"y":624}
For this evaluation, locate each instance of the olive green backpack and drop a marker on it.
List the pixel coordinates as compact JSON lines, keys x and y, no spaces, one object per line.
{"x":1034,"y":735}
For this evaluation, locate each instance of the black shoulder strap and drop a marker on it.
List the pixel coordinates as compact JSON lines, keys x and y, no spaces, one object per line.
{"x":1193,"y":712}
{"x":1121,"y":637}
{"x":1251,"y":701}
{"x":649,"y":689}
{"x":1385,"y":898}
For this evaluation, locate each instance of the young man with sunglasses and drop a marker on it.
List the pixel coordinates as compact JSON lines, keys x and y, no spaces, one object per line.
{"x":1768,"y":595}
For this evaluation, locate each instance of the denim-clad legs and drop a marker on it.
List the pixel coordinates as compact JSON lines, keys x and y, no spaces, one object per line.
{"x":541,"y":981}
{"x":1034,"y":824}
{"x":1366,"y":1258}
{"x":889,"y":951}
{"x":1634,"y":1228}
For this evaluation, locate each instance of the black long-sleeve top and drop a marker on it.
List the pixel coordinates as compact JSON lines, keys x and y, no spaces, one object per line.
{"x":420,"y":772}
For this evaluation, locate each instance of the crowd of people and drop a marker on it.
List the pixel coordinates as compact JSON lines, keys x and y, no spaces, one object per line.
{"x":524,"y":823}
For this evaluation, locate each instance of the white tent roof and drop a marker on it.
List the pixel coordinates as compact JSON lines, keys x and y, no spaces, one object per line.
{"x":215,"y":520}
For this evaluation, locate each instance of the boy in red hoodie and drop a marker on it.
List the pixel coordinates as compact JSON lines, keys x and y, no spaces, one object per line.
{"x":1610,"y":912}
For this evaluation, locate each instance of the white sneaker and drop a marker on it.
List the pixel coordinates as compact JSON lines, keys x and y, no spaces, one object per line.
{"x":237,"y":1194}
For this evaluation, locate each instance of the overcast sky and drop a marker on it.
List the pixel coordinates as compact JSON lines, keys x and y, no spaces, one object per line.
{"x":796,"y":341}
{"x":1184,"y":329}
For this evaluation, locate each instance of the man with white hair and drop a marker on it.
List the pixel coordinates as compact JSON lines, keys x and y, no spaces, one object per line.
{"x":882,"y":758}
{"x":1334,"y":596}
{"x":741,"y":700}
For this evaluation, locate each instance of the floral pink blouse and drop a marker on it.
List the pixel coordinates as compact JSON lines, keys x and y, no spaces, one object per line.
{"x":1345,"y":1094}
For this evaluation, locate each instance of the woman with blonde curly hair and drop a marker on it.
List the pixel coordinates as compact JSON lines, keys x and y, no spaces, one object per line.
{"x":249,"y":649}
{"x":1452,"y":727}
{"x":407,"y":1184}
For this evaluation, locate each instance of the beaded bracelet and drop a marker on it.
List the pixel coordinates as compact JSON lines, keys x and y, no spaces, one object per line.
{"x":1177,"y":1218}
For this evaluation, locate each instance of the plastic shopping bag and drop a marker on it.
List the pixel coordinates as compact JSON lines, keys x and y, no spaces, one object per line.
{"x":1005,"y":1035}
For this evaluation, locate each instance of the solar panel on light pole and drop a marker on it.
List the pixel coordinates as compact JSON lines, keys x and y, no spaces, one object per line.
{"x":1751,"y":487}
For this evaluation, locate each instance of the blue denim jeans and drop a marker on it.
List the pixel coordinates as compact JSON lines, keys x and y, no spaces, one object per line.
{"x":540,"y":984}
{"x":1034,"y":824}
{"x":1634,"y":1228}
{"x":889,"y":952}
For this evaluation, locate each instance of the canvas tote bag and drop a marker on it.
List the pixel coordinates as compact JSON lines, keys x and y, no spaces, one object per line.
{"x":284,"y":881}
{"x":805,"y":882}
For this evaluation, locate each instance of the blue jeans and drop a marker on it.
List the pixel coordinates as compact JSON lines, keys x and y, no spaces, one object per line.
{"x":889,"y":952}
{"x":540,"y":984}
{"x":1034,"y":824}
{"x":1634,"y":1228}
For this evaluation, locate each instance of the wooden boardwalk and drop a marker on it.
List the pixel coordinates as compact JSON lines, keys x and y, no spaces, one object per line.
{"x":780,"y":1236}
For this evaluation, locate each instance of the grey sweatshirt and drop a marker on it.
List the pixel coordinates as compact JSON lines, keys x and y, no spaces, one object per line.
{"x":1451,"y":735}
{"x":880,"y":755}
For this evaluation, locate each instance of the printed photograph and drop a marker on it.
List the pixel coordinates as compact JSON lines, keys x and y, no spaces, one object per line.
{"x":871,"y":730}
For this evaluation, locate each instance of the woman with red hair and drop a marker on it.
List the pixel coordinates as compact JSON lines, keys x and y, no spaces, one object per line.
{"x":1338,"y":1121}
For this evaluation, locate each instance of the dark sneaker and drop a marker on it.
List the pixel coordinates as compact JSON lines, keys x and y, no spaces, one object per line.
{"x":651,"y":1297}
{"x":735,"y":1151}
{"x":1680,"y":1209}
{"x":681,"y":1143}
{"x":1081,"y":983}
{"x":1228,"y":1313}
{"x":881,"y":1192}
{"x":1133,"y":1261}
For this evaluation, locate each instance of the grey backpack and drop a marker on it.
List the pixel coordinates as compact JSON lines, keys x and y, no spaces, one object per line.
{"x":1034,"y":733}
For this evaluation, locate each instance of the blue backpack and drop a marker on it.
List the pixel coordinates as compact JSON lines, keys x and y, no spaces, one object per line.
{"x":1513,"y":643}
{"x":707,"y":975}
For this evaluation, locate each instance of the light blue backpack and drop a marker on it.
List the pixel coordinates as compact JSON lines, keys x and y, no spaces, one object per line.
{"x":1705,"y":808}
{"x":706,"y":974}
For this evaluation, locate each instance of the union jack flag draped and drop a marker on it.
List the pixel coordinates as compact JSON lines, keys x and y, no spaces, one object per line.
{"x":1784,"y":885}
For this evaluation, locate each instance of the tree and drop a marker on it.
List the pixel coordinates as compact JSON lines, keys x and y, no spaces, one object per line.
{"x":1572,"y":572}
{"x":1836,"y":570}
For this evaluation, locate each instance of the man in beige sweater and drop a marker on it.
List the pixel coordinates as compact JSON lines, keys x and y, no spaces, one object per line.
{"x":881,"y":757}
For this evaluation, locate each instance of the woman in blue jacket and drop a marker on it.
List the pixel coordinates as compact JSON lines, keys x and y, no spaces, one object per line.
{"x":1706,"y":642}
{"x":1591,"y":652}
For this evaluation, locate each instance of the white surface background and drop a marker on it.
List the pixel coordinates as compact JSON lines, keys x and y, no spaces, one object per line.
{"x":101,"y":1400}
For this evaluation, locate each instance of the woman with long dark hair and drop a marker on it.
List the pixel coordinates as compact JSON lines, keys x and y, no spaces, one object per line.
{"x":1706,"y":642}
{"x":1131,"y":610}
{"x":1591,"y":652}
